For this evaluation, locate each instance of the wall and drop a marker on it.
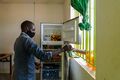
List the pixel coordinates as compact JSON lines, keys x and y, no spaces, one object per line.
{"x":108,"y":40}
{"x":66,"y":10}
{"x":11,"y":15}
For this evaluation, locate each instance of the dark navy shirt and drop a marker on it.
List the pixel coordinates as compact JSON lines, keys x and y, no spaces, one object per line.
{"x":25,"y":50}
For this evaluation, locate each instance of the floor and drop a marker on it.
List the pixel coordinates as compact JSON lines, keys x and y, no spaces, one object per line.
{"x":7,"y":77}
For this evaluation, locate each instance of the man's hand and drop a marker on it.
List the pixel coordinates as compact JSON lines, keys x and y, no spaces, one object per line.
{"x":63,"y":49}
{"x":67,"y":48}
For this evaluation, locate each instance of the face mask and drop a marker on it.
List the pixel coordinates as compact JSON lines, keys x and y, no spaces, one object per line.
{"x":31,"y":34}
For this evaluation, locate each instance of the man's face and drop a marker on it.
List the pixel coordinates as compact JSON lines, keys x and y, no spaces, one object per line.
{"x":32,"y":28}
{"x":31,"y":31}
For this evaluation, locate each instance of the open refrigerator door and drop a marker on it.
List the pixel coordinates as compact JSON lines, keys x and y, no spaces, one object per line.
{"x":71,"y":35}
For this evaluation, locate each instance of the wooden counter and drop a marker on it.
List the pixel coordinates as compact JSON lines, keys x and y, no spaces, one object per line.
{"x":7,"y":57}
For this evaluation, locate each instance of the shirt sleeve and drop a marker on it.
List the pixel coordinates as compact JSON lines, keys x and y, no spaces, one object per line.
{"x":32,"y":48}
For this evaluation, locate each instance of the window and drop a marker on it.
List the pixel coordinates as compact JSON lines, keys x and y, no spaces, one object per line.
{"x":88,"y":38}
{"x":73,"y":13}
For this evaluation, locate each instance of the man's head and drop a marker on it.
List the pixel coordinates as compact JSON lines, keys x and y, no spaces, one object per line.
{"x":28,"y":27}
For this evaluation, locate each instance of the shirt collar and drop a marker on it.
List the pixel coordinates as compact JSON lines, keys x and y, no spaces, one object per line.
{"x":23,"y":33}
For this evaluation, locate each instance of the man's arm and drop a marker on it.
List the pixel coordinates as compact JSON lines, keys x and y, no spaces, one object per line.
{"x":32,"y":48}
{"x":68,"y":48}
{"x":79,"y":51}
{"x":58,"y":51}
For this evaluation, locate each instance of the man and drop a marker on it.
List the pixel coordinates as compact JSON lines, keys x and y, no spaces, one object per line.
{"x":25,"y":50}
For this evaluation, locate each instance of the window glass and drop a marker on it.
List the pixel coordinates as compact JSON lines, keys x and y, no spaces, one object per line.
{"x":87,"y":37}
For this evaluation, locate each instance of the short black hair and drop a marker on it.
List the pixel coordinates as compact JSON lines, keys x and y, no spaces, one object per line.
{"x":26,"y":24}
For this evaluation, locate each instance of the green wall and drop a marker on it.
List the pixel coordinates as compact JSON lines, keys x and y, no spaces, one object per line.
{"x":108,"y":39}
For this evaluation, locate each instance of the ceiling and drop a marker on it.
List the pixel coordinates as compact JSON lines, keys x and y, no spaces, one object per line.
{"x":32,"y":1}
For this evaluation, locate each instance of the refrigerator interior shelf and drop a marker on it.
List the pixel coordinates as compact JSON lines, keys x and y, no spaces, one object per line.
{"x":52,"y":42}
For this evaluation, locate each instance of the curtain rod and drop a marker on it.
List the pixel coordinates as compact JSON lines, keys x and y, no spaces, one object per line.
{"x":70,"y":20}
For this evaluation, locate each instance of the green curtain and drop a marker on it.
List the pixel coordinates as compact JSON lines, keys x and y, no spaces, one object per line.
{"x":82,"y":6}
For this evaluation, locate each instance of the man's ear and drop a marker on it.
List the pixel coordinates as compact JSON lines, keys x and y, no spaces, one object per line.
{"x":27,"y":29}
